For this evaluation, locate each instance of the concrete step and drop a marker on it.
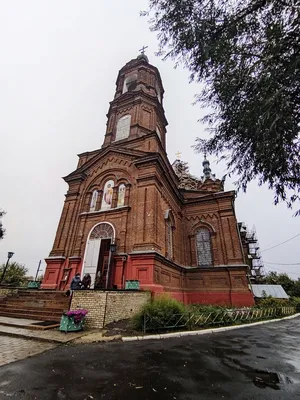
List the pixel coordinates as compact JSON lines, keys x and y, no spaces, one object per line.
{"x":9,"y":306}
{"x":25,"y":323}
{"x":33,"y":315}
{"x":41,"y":303}
{"x":26,"y":310}
{"x":51,"y":335}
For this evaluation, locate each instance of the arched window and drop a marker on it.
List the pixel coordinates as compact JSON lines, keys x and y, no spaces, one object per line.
{"x":121,"y":195}
{"x":94,"y":200}
{"x":123,"y":127}
{"x":102,"y":231}
{"x":169,"y":233}
{"x":107,"y":195}
{"x":130,"y":83}
{"x":203,"y":248}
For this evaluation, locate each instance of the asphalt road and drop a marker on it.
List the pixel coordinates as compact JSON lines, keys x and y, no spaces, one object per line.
{"x":262,"y":362}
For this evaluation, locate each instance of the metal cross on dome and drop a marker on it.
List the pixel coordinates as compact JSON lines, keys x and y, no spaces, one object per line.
{"x":178,"y":155}
{"x":142,"y":50}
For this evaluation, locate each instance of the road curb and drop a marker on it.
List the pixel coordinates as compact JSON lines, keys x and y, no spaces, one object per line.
{"x":204,"y":331}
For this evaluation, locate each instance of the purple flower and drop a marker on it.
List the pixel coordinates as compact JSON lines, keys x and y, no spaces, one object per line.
{"x":78,"y":315}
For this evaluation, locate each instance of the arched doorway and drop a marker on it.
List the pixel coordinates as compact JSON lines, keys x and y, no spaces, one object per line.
{"x":97,"y":256}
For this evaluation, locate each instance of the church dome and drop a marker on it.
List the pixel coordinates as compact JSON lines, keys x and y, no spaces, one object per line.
{"x":142,"y":57}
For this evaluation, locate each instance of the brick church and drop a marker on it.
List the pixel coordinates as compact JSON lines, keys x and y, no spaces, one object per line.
{"x":131,"y":215}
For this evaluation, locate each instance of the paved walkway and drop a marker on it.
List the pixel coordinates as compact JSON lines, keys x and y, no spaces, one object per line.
{"x":14,"y":349}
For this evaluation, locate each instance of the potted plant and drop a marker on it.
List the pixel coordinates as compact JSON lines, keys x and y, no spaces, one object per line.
{"x":73,"y":320}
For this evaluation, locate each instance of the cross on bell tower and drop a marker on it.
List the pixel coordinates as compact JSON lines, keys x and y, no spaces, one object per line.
{"x":142,"y":50}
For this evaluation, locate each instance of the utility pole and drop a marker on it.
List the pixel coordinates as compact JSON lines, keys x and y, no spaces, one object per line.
{"x":9,"y":256}
{"x":38,"y":270}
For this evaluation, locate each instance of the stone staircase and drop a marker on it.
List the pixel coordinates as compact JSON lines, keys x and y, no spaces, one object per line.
{"x":41,"y":305}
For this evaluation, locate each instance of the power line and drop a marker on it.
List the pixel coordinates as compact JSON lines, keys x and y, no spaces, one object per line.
{"x":266,"y":262}
{"x":279,"y":244}
{"x":287,"y":272}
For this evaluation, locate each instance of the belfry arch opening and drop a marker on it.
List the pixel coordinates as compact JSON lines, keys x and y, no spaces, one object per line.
{"x":97,"y":254}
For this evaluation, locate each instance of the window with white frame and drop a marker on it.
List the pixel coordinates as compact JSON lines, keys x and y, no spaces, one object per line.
{"x":123,"y":127}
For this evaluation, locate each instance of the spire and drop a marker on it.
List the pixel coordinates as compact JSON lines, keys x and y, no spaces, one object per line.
{"x":207,"y":170}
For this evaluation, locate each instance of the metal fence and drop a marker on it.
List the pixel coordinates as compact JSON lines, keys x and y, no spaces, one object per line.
{"x":194,"y":320}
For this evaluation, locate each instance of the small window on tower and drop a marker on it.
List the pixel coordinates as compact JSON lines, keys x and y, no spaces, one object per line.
{"x":123,"y":127}
{"x":130,"y":83}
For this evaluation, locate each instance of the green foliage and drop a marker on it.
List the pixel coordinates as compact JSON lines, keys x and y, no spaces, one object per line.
{"x":295,"y":301}
{"x":264,"y":294}
{"x":246,"y":54}
{"x":204,"y":308}
{"x":295,"y":290}
{"x":160,"y":309}
{"x":2,"y":230}
{"x":272,"y":302}
{"x":15,"y":274}
{"x":291,"y":287}
{"x":165,"y":313}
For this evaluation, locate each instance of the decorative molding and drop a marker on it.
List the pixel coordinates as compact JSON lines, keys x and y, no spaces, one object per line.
{"x":145,"y":108}
{"x":124,"y":110}
{"x":200,"y":217}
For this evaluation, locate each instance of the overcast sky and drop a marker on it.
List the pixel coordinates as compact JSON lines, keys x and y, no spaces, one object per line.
{"x":59,"y":61}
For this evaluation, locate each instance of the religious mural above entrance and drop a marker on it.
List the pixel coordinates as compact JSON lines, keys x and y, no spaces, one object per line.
{"x":94,"y":200}
{"x":121,"y":195}
{"x":107,"y":195}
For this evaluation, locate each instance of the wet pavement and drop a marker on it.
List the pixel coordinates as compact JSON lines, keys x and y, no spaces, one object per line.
{"x":258,"y":363}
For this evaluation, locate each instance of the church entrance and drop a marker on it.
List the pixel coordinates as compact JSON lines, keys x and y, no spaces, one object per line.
{"x":97,"y":255}
{"x":102,"y":268}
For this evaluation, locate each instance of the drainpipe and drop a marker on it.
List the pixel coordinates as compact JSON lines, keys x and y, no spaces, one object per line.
{"x":230,"y":283}
{"x":108,"y":269}
{"x":124,"y":259}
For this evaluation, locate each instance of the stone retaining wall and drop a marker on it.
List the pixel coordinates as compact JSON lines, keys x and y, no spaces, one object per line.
{"x":106,"y":307}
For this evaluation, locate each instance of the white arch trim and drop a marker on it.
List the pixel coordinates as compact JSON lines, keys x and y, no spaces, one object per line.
{"x":92,"y":257}
{"x":101,"y":223}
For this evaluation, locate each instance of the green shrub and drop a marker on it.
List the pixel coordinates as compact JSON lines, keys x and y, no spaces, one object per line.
{"x":160,"y":311}
{"x":204,"y":308}
{"x":295,"y":302}
{"x":272,"y":302}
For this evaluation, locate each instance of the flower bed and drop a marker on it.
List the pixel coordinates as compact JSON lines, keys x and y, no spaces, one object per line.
{"x":73,"y":320}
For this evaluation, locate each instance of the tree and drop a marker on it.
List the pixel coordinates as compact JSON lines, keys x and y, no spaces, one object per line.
{"x":288,"y":284}
{"x":295,"y":292}
{"x":2,"y":230}
{"x":15,"y":274}
{"x":246,"y":53}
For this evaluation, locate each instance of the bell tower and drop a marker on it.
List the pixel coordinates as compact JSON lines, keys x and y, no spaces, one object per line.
{"x":136,"y":118}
